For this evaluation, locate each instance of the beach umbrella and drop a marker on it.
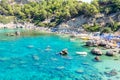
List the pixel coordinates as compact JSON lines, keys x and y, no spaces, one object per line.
{"x":118,"y":44}
{"x":109,"y":37}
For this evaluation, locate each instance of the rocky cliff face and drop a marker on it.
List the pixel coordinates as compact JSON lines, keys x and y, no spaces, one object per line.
{"x":100,"y":19}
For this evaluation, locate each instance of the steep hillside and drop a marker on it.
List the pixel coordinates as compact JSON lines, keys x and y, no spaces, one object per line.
{"x":100,"y":19}
{"x":64,"y":14}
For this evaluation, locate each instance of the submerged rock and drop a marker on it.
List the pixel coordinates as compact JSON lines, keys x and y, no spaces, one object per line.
{"x":97,"y":58}
{"x":22,"y":62}
{"x":116,"y":59}
{"x":10,"y":34}
{"x":48,"y":48}
{"x":30,"y":46}
{"x":69,"y":58}
{"x":23,"y":66}
{"x":107,"y":67}
{"x":17,"y":33}
{"x":85,"y":63}
{"x":4,"y":59}
{"x":12,"y":66}
{"x":36,"y":64}
{"x":54,"y":59}
{"x":118,"y":77}
{"x":96,"y":51}
{"x":60,"y":67}
{"x":111,"y":73}
{"x":35,"y":57}
{"x":79,"y":71}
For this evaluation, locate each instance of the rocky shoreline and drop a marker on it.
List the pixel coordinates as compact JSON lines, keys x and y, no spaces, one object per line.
{"x":92,"y":40}
{"x":24,"y":26}
{"x":96,"y":42}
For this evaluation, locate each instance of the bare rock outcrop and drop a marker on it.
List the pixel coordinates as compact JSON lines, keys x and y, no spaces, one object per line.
{"x":96,"y":51}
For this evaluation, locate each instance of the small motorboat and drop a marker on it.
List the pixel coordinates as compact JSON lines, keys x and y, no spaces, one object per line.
{"x":81,"y":53}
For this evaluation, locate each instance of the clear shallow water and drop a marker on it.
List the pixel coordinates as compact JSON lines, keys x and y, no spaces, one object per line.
{"x":26,"y":58}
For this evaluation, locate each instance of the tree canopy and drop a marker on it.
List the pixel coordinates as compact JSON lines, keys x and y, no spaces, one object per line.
{"x":56,"y":10}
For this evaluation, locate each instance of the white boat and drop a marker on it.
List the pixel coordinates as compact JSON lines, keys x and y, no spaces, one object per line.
{"x":81,"y":53}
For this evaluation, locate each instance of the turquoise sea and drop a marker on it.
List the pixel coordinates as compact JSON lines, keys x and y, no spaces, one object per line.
{"x":27,"y":58}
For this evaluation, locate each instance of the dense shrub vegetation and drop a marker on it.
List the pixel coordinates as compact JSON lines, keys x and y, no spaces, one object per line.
{"x":7,"y":19}
{"x":57,"y":11}
{"x":109,"y":6}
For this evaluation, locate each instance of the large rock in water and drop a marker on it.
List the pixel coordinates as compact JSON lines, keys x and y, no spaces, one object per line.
{"x":63,"y":52}
{"x":10,"y":34}
{"x":103,"y":43}
{"x":110,"y":53}
{"x":89,"y":43}
{"x":107,"y":47}
{"x":96,"y":51}
{"x":17,"y":33}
